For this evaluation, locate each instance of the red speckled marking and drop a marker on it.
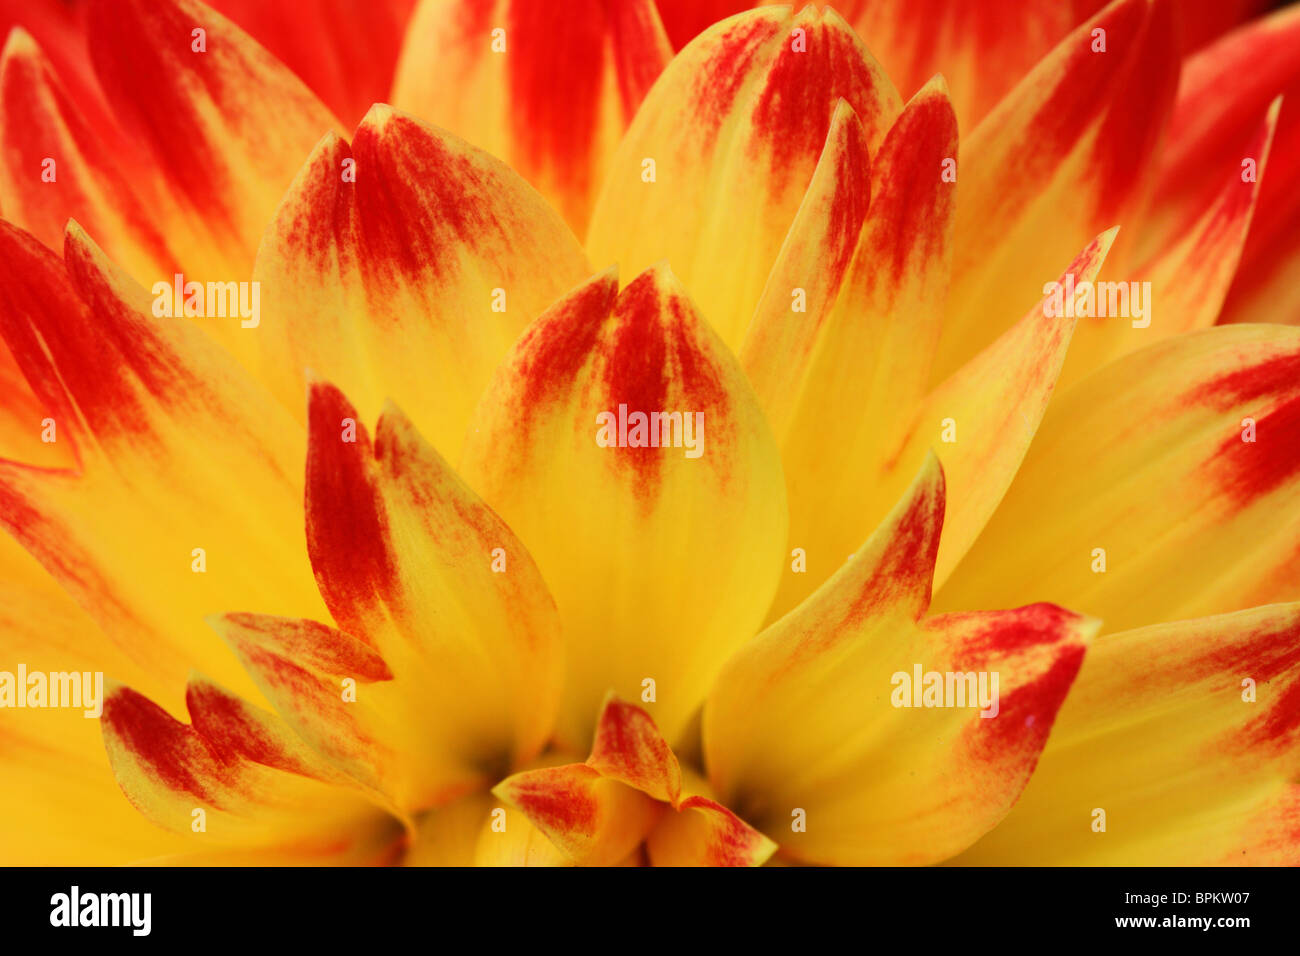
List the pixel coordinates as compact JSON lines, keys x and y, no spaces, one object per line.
{"x":38,"y":114}
{"x":849,"y":204}
{"x":904,"y":572}
{"x":554,"y":349}
{"x":1014,"y":739}
{"x":315,"y":645}
{"x":169,"y":750}
{"x":998,"y":635}
{"x":561,"y":800}
{"x":730,"y":62}
{"x":233,"y":729}
{"x":731,"y":841}
{"x":1245,"y":471}
{"x":347,"y":532}
{"x":629,"y":747}
{"x":655,"y":363}
{"x":793,"y":111}
{"x":911,"y":205}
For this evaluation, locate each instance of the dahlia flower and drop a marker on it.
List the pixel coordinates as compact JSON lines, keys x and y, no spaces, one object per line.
{"x":916,"y":553}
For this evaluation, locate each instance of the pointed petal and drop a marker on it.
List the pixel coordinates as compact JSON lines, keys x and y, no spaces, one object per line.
{"x":344,"y":50}
{"x":996,"y":401}
{"x":1151,"y":461}
{"x":629,"y":748}
{"x":548,"y":87}
{"x":860,"y":355}
{"x":146,"y":534}
{"x":303,"y":668}
{"x":410,"y":282}
{"x":802,"y":725}
{"x":410,"y":561}
{"x":593,"y":820}
{"x":1160,"y":734}
{"x":1225,"y":88}
{"x":253,"y":795}
{"x":1189,"y":278}
{"x":705,"y":833}
{"x":735,"y":127}
{"x":1061,"y":159}
{"x":227,"y":126}
{"x":41,"y":123}
{"x":625,"y":526}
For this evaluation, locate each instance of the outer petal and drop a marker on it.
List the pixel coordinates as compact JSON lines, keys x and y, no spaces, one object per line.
{"x":411,"y":562}
{"x":257,"y":785}
{"x":41,"y":122}
{"x":1061,"y":159}
{"x":734,"y":126}
{"x":663,"y":559}
{"x":1188,"y":278}
{"x":410,"y":282}
{"x":802,"y":725}
{"x":227,"y":127}
{"x":59,"y":803}
{"x":982,"y":49}
{"x":1150,"y":460}
{"x":548,"y":87}
{"x":164,"y":426}
{"x":982,"y":418}
{"x":345,"y":50}
{"x":1224,"y":90}
{"x":859,"y":356}
{"x":1158,"y":732}
{"x":303,"y":668}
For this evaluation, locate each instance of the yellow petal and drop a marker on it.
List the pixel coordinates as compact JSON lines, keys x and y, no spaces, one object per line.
{"x":235,"y":777}
{"x":662,"y":559}
{"x":592,"y":819}
{"x":412,"y":563}
{"x":404,"y":266}
{"x":1159,"y":488}
{"x":187,"y":495}
{"x":1179,"y":739}
{"x":732,"y":133}
{"x":807,"y":732}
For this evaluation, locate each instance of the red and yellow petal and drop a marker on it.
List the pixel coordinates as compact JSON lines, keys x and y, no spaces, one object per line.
{"x":1177,"y":747}
{"x":235,"y":777}
{"x":226,"y":126}
{"x":804,"y":734}
{"x":873,"y":284}
{"x":1064,"y":157}
{"x":59,"y":803}
{"x":54,"y":165}
{"x":1156,"y":489}
{"x":186,"y":493}
{"x":663,"y":558}
{"x":733,"y":131}
{"x":411,"y":562}
{"x":403,"y":267}
{"x":547,"y":87}
{"x":1183,"y":285}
